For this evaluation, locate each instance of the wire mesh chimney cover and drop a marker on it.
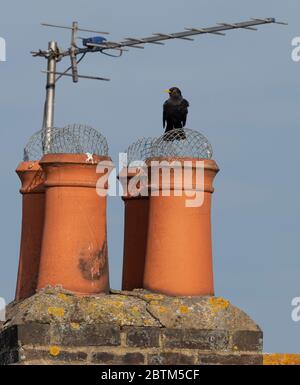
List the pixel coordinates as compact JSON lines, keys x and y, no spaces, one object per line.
{"x":183,"y":143}
{"x":35,"y":148}
{"x":72,"y":139}
{"x":139,"y":151}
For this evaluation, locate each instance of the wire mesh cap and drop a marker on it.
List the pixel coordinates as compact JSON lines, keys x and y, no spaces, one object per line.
{"x":35,"y":148}
{"x":183,"y":143}
{"x":139,"y":151}
{"x":72,"y":139}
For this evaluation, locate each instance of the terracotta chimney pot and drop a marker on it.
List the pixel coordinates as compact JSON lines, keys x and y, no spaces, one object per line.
{"x":179,"y":247}
{"x":74,"y":250}
{"x":135,"y":232}
{"x":33,"y":206}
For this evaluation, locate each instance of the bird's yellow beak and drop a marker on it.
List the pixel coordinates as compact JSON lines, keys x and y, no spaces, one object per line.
{"x":167,"y":91}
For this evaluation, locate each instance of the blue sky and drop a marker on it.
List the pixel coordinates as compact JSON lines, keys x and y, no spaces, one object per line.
{"x":244,"y":96}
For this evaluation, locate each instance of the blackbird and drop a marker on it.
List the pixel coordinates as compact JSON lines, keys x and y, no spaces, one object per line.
{"x":175,"y":110}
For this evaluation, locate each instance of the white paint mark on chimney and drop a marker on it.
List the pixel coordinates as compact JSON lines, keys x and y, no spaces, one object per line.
{"x":90,"y":158}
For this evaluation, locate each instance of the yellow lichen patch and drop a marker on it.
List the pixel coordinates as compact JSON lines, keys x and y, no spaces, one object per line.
{"x":64,"y":297}
{"x":184,"y":309}
{"x":56,"y":311}
{"x":54,"y":351}
{"x":154,"y":296}
{"x":154,"y":303}
{"x":118,"y":304}
{"x":162,"y":309}
{"x":281,"y":359}
{"x":135,"y":309}
{"x":75,"y":326}
{"x":218,"y":304}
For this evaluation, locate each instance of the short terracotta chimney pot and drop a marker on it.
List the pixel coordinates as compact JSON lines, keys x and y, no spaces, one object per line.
{"x":135,"y":232}
{"x":33,"y":206}
{"x":179,"y":246}
{"x":74,"y":250}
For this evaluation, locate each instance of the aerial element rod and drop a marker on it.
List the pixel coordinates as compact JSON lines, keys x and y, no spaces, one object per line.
{"x":79,"y":29}
{"x":79,"y":76}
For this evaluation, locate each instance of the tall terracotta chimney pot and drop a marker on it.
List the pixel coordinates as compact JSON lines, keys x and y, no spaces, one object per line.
{"x":74,"y":250}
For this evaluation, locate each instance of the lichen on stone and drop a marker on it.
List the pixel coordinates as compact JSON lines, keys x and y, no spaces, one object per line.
{"x":184,"y":309}
{"x":64,"y":297}
{"x":137,"y":308}
{"x":56,"y":311}
{"x":75,"y":326}
{"x":218,"y":304}
{"x":54,"y":351}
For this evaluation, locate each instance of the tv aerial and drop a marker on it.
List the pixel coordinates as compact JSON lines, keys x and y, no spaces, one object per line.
{"x":99,"y":44}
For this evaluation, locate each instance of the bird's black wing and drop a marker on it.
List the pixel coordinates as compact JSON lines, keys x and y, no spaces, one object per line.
{"x":185,"y":103}
{"x":184,"y":111}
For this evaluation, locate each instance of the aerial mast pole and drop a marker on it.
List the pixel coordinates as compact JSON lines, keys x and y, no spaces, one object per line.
{"x":73,"y":52}
{"x":50,"y":93}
